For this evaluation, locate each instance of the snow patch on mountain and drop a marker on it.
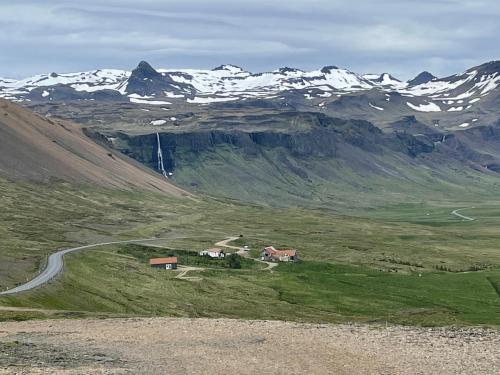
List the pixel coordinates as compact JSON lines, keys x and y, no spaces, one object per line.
{"x":201,"y":100}
{"x":147,"y":101}
{"x":429,"y":107}
{"x":375,"y":107}
{"x":172,"y":95}
{"x":385,"y":79}
{"x":158,"y":122}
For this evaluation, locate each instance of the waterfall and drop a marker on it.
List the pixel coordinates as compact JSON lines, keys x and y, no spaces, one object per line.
{"x":444,"y":138}
{"x":161,"y":168}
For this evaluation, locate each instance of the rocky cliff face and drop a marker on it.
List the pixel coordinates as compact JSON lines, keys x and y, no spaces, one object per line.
{"x":321,"y":159}
{"x":323,"y":139}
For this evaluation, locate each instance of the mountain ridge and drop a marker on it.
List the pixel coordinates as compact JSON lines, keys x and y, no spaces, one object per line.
{"x":114,"y":78}
{"x":449,"y":97}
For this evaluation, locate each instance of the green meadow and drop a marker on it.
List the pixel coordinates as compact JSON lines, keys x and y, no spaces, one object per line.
{"x":108,"y":281}
{"x":405,"y":263}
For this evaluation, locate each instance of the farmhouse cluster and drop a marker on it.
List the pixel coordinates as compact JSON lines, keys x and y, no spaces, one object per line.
{"x":268,"y":254}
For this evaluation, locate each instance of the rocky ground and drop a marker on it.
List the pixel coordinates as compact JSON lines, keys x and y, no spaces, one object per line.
{"x":203,"y":346}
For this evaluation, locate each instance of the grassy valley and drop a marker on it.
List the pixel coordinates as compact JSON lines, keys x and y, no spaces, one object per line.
{"x":409,"y":264}
{"x":370,"y":214}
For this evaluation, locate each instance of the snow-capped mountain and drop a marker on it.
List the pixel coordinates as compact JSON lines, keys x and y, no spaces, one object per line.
{"x":385,"y":79}
{"x":97,"y":80}
{"x":195,"y":85}
{"x":233,"y":81}
{"x":148,"y":86}
{"x":458,"y":92}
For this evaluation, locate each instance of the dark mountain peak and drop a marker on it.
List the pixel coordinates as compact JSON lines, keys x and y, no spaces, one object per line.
{"x":328,"y":69}
{"x":287,"y":69}
{"x":144,"y":65}
{"x":145,"y":80}
{"x":422,"y":78}
{"x":229,"y":67}
{"x":145,"y":70}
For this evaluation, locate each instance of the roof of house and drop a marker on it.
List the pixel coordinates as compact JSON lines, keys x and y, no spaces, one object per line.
{"x":290,"y":253}
{"x":272,"y":251}
{"x":170,"y":260}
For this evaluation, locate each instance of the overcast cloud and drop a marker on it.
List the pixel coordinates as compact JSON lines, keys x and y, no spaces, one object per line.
{"x":402,"y":37}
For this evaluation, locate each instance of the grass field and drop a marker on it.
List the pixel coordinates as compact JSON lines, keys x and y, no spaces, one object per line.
{"x":38,"y":219}
{"x":107,"y":281}
{"x":362,"y":267}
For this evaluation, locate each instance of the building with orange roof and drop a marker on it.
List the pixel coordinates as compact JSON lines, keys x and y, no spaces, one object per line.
{"x":270,"y":254}
{"x":164,"y":263}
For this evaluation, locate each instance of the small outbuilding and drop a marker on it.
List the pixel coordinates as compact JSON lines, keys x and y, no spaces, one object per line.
{"x":270,"y":254}
{"x":213,"y":252}
{"x":164,"y":263}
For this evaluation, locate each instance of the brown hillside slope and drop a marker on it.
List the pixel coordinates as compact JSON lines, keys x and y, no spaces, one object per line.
{"x":40,"y":149}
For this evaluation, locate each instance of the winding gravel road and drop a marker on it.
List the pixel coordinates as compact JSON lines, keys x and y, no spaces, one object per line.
{"x":455,"y":212}
{"x":55,"y":265}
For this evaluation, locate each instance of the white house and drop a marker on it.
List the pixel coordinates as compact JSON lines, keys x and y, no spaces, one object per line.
{"x":214,"y":252}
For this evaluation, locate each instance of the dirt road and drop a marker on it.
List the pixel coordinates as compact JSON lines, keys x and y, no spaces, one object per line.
{"x":243,"y":253}
{"x":185,"y":269}
{"x":457,"y":214}
{"x":224,"y":243}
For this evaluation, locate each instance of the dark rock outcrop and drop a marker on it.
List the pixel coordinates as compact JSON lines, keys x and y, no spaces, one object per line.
{"x":64,"y":93}
{"x":421,"y":78}
{"x":146,"y":81}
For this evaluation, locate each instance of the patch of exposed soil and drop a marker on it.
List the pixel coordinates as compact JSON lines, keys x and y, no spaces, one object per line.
{"x":204,"y":346}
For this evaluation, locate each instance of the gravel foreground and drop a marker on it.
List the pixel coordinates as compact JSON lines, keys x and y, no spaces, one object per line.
{"x":224,"y":346}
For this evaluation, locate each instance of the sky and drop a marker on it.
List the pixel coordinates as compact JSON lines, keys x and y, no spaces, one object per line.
{"x":402,"y":37}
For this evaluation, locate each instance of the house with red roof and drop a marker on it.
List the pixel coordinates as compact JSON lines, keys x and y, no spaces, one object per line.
{"x":164,"y":263}
{"x":270,"y":254}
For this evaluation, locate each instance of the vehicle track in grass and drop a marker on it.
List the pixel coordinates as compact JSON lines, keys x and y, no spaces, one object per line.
{"x":457,"y":214}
